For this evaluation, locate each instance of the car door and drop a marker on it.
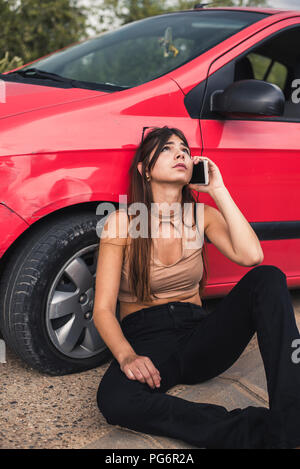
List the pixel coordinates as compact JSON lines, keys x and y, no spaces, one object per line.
{"x":259,"y":156}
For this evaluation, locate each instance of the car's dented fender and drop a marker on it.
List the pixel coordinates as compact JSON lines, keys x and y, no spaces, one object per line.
{"x":36,"y":185}
{"x":11,"y":227}
{"x":78,"y":154}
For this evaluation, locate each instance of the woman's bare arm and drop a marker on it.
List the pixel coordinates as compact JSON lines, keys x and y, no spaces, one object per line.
{"x":109,"y":265}
{"x":230,"y":232}
{"x":110,"y":259}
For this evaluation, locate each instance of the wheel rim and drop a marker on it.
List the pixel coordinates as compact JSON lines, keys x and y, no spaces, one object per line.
{"x":69,"y":309}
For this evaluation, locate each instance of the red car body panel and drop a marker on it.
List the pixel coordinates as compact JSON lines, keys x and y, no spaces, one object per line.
{"x":11,"y":227}
{"x":39,"y":97}
{"x":61,"y":147}
{"x":40,"y":177}
{"x":268,"y":154}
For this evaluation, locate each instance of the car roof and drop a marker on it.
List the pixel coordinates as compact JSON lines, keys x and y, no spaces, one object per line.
{"x":271,"y":11}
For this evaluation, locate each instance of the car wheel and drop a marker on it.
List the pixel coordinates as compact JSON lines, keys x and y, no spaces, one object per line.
{"x":47,"y":294}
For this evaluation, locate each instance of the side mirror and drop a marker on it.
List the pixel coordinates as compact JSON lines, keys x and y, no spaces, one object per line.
{"x":249,"y":97}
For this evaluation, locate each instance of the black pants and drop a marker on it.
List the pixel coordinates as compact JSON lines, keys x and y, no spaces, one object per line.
{"x":189,"y":345}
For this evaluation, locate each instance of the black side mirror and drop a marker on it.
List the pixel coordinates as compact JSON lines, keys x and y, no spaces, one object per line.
{"x":249,"y":97}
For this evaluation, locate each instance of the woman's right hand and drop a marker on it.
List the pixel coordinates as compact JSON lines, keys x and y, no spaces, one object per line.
{"x":141,"y":368}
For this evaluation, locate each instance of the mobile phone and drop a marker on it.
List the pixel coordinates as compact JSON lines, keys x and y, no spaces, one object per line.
{"x":200,"y":173}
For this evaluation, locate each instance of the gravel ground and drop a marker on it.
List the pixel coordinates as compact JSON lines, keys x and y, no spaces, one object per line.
{"x":41,"y":411}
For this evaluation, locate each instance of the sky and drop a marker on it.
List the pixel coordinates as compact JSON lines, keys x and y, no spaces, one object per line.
{"x":286,"y":4}
{"x":95,"y":29}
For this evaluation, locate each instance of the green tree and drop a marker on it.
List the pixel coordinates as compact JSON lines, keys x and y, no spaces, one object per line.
{"x":10,"y":63}
{"x":33,"y":28}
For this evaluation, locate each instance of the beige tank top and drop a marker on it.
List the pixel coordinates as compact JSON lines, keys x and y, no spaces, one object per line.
{"x":184,"y":275}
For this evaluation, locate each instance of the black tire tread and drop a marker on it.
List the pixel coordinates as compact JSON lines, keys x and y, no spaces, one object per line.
{"x":19,"y":279}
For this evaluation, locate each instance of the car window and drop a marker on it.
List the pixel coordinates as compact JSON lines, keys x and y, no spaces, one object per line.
{"x":267,"y":69}
{"x":275,"y":60}
{"x":128,"y":58}
{"x":143,"y":50}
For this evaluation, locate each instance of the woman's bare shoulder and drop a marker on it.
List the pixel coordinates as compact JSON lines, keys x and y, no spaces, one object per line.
{"x":115,"y":228}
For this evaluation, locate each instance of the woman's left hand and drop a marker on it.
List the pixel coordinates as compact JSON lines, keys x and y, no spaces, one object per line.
{"x":214,"y":176}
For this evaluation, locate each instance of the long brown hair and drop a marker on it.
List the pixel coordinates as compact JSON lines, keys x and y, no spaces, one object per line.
{"x":140,"y":191}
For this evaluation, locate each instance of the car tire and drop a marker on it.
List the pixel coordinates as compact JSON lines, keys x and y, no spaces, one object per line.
{"x":47,"y":293}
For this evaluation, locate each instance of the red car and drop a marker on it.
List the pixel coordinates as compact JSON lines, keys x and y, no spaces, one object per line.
{"x":229,"y":78}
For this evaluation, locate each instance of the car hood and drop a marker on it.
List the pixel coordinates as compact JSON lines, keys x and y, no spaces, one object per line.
{"x":19,"y":98}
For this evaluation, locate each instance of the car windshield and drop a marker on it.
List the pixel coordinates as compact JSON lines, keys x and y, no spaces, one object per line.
{"x":146,"y":49}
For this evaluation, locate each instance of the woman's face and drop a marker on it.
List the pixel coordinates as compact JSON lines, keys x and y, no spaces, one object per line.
{"x":174,"y":152}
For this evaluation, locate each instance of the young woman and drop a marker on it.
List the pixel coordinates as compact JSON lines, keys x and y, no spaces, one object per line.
{"x":165,"y":336}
